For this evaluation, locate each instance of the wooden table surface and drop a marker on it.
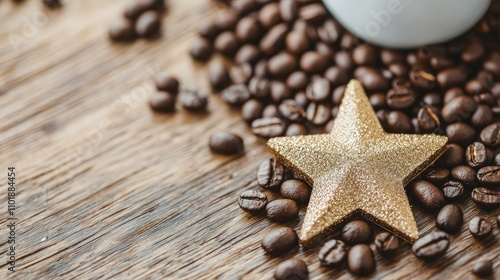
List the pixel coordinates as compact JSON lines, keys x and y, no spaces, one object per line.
{"x":107,"y":189}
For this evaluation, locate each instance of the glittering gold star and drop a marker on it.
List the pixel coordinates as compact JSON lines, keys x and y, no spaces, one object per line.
{"x":358,"y":168}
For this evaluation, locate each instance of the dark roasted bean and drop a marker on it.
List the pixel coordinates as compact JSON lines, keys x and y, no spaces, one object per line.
{"x":464,"y":174}
{"x":329,"y":32}
{"x":295,"y":129}
{"x":427,"y":195}
{"x":243,"y":7}
{"x":274,"y":39}
{"x":431,"y":246}
{"x":437,"y":175}
{"x":490,"y":135}
{"x":248,"y":30}
{"x":361,"y":260}
{"x":356,"y":232}
{"x":386,"y":243}
{"x":475,"y":155}
{"x":201,"y":49}
{"x":297,"y":80}
{"x":333,"y":253}
{"x":279,"y":91}
{"x":337,"y":76}
{"x":398,"y":122}
{"x":247,"y":54}
{"x":343,"y":60}
{"x":282,"y":210}
{"x":252,"y":201}
{"x":453,"y":156}
{"x":148,"y":24}
{"x":460,"y":133}
{"x":291,"y":269}
{"x":270,"y":174}
{"x":270,"y":111}
{"x":427,"y":119}
{"x":282,"y":64}
{"x":473,"y":51}
{"x":483,"y":269}
{"x":486,"y":198}
{"x":236,"y":94}
{"x":313,"y":13}
{"x":313,"y":62}
{"x":226,"y":143}
{"x":422,"y":79}
{"x":453,"y":190}
{"x":289,"y":10}
{"x":318,"y":90}
{"x":297,"y":42}
{"x":453,"y":76}
{"x":259,"y":87}
{"x":365,"y":54}
{"x":458,"y":109}
{"x":227,"y":20}
{"x":401,"y":97}
{"x":162,"y":102}
{"x":193,"y":100}
{"x":450,"y":218}
{"x":252,"y":110}
{"x":371,"y":79}
{"x":269,"y":15}
{"x":167,"y":82}
{"x":318,"y":113}
{"x":482,"y":116}
{"x":489,"y":176}
{"x":218,"y":74}
{"x":279,"y":241}
{"x":377,"y":100}
{"x":122,"y":29}
{"x":296,"y":190}
{"x":291,"y":110}
{"x":208,"y":30}
{"x":240,"y":73}
{"x":226,"y":43}
{"x":492,"y":64}
{"x":479,"y":227}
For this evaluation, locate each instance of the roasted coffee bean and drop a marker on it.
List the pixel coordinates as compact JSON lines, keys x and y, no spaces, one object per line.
{"x":338,"y":94}
{"x":201,"y":49}
{"x":427,"y":119}
{"x":270,"y":174}
{"x":270,"y":111}
{"x":427,"y":195}
{"x":473,"y":51}
{"x":361,"y":260}
{"x":398,"y":122}
{"x":329,"y":32}
{"x":313,"y":62}
{"x":282,"y":64}
{"x":291,"y":110}
{"x":318,"y":90}
{"x":453,"y":190}
{"x":401,"y":97}
{"x":226,"y":43}
{"x":296,"y":190}
{"x":252,"y":110}
{"x":343,"y":59}
{"x":279,"y":91}
{"x":248,"y":30}
{"x":227,"y":20}
{"x":451,"y":93}
{"x":475,"y":86}
{"x":377,"y":100}
{"x":460,"y":133}
{"x":252,"y":201}
{"x":450,"y":218}
{"x":431,"y":246}
{"x":218,"y":74}
{"x":475,"y":155}
{"x":333,"y":253}
{"x":489,"y":176}
{"x":226,"y":143}
{"x":148,"y":24}
{"x":162,"y":102}
{"x":236,"y":94}
{"x":464,"y":174}
{"x":453,"y":76}
{"x":291,"y":269}
{"x":313,"y":13}
{"x":137,"y":7}
{"x":479,"y":227}
{"x":289,"y":10}
{"x":243,"y":7}
{"x":356,"y":232}
{"x":279,"y":241}
{"x":167,"y":82}
{"x":297,"y":80}
{"x":437,"y":175}
{"x":274,"y":39}
{"x":386,"y":243}
{"x":208,"y":30}
{"x":441,"y":62}
{"x":483,"y":269}
{"x":492,"y":64}
{"x":337,"y":76}
{"x":365,"y":54}
{"x":486,"y":198}
{"x":390,"y":56}
{"x":432,"y":99}
{"x":496,"y":161}
{"x":295,"y":129}
{"x":247,"y":54}
{"x":458,"y":109}
{"x":297,"y":42}
{"x":453,"y":156}
{"x":240,"y":73}
{"x":269,"y":15}
{"x":422,"y":79}
{"x":398,"y":69}
{"x":318,"y":113}
{"x":371,"y":79}
{"x":259,"y":87}
{"x":282,"y":210}
{"x":122,"y":29}
{"x":193,"y":100}
{"x":490,"y":135}
{"x":482,"y":116}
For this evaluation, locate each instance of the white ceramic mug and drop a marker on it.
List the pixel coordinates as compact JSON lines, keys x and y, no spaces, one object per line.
{"x":407,"y":23}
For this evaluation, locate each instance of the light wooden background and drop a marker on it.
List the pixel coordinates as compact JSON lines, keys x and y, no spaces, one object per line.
{"x":107,"y":189}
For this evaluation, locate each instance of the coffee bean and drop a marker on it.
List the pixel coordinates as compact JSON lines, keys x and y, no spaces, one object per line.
{"x":291,"y":269}
{"x":464,"y":174}
{"x":386,"y":243}
{"x":240,"y":73}
{"x":422,"y":79}
{"x":333,"y":253}
{"x":148,"y":24}
{"x":432,"y":99}
{"x":247,"y":54}
{"x":226,"y":43}
{"x":236,"y":94}
{"x":343,"y":60}
{"x":270,"y":111}
{"x":460,"y":133}
{"x":490,"y":135}
{"x":291,"y":110}
{"x":269,"y":15}
{"x":458,"y":109}
{"x":497,"y":159}
{"x":483,"y":269}
{"x":282,"y":64}
{"x":252,"y":201}
{"x":482,"y":116}
{"x":318,"y":113}
{"x":208,"y":30}
{"x":361,"y":260}
{"x":248,"y":30}
{"x":356,"y":232}
{"x":338,"y":76}
{"x":162,"y":102}
{"x":227,"y":20}
{"x":371,"y":79}
{"x":259,"y":87}
{"x":313,"y":62}
{"x":279,"y":241}
{"x":479,"y":227}
{"x":453,"y":76}
{"x":243,"y":7}
{"x":297,"y":80}
{"x":201,"y":49}
{"x":402,"y":97}
{"x":274,"y":39}
{"x":338,"y":95}
{"x":270,"y":174}
{"x":489,"y":176}
{"x":136,"y":8}
{"x":167,"y":82}
{"x":398,"y":122}
{"x":486,"y":198}
{"x":427,"y":195}
{"x":440,"y":63}
{"x":431,"y":246}
{"x":475,"y":86}
{"x":450,"y":218}
{"x":295,"y":129}
{"x":193,"y":100}
{"x":475,"y":155}
{"x":453,"y":190}
{"x":289,"y":10}
{"x":377,"y":100}
{"x":313,"y":13}
{"x":365,"y":54}
{"x":453,"y":156}
{"x":296,"y":190}
{"x":492,"y":64}
{"x":297,"y":42}
{"x":451,"y":93}
{"x":473,"y":51}
{"x":427,"y":119}
{"x":329,"y":32}
{"x":252,"y":110}
{"x":398,"y":69}
{"x":226,"y":143}
{"x":121,"y":30}
{"x":282,"y":210}
{"x":279,"y":91}
{"x":218,"y":74}
{"x":437,"y":175}
{"x":318,"y":90}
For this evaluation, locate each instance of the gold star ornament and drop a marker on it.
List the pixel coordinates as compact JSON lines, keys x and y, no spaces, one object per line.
{"x":358,"y":168}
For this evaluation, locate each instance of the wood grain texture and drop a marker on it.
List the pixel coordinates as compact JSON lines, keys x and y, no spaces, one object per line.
{"x":107,"y":189}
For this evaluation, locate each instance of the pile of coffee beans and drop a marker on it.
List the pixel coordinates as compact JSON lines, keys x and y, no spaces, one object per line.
{"x":141,"y":18}
{"x":285,"y":63}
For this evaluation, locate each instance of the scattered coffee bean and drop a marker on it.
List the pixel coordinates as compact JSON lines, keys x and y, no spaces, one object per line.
{"x":279,"y":241}
{"x":483,"y":269}
{"x":247,"y":54}
{"x":398,"y":122}
{"x":361,"y":260}
{"x":226,"y":143}
{"x":282,"y":64}
{"x":422,"y":79}
{"x":486,"y":198}
{"x":489,"y":176}
{"x":269,"y":15}
{"x":268,"y":127}
{"x":318,"y":113}
{"x":282,"y":210}
{"x":427,"y":195}
{"x":252,"y":201}
{"x":296,"y":190}
{"x":248,"y":30}
{"x":279,"y":91}
{"x":431,"y":246}
{"x":490,"y":135}
{"x":193,"y":100}
{"x":167,"y":82}
{"x":226,"y":43}
{"x":479,"y":227}
{"x":201,"y":49}
{"x":241,"y":73}
{"x":453,"y":156}
{"x":333,"y":253}
{"x":236,"y":94}
{"x":450,"y":218}
{"x":270,"y":174}
{"x":208,"y":30}
{"x":386,"y":243}
{"x":453,"y":190}
{"x":458,"y":109}
{"x":356,"y":232}
{"x":291,"y":269}
{"x":274,"y":39}
{"x":313,"y":13}
{"x":162,"y":102}
{"x":427,"y":119}
{"x":122,"y":29}
{"x":460,"y":133}
{"x":452,"y":76}
{"x":318,"y":90}
{"x":218,"y":74}
{"x":252,"y":110}
{"x":313,"y":62}
{"x":475,"y":155}
{"x":437,"y":175}
{"x":148,"y":24}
